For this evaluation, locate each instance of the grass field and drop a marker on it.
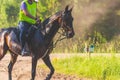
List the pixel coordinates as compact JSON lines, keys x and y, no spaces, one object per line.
{"x":94,"y":68}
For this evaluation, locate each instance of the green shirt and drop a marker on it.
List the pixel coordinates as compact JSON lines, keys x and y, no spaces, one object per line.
{"x":31,"y":8}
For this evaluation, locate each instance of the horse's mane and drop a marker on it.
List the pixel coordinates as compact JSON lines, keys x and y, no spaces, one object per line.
{"x":51,"y":18}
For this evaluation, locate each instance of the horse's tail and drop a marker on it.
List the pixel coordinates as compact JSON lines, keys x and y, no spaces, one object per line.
{"x":3,"y":45}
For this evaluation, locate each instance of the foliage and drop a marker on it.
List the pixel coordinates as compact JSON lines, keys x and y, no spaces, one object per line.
{"x":47,"y":8}
{"x":12,"y":13}
{"x":9,"y":13}
{"x":77,"y":45}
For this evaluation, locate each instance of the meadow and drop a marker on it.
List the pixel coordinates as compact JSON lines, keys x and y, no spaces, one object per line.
{"x":93,"y":68}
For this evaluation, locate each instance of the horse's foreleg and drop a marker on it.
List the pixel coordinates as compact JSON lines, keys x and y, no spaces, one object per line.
{"x":2,"y":53}
{"x":10,"y":66}
{"x":3,"y":50}
{"x":34,"y":63}
{"x":3,"y":45}
{"x":49,"y":65}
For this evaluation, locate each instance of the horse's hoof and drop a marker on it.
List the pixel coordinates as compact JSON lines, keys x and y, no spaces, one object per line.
{"x":47,"y":78}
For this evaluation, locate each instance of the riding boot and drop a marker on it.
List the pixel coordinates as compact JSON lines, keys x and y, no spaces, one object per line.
{"x":24,"y":52}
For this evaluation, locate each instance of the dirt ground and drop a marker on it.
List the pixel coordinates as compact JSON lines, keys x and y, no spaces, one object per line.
{"x":22,"y":70}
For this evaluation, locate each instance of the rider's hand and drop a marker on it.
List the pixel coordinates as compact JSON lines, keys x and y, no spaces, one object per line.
{"x":38,"y":21}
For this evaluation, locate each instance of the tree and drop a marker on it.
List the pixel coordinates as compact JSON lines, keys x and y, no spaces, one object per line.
{"x":47,"y":8}
{"x":12,"y":13}
{"x":9,"y":12}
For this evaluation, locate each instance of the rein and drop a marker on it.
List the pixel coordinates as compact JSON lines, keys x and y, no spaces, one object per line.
{"x":60,"y":38}
{"x":53,"y":44}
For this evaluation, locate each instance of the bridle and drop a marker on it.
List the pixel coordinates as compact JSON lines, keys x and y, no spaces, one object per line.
{"x":63,"y":29}
{"x":62,"y":35}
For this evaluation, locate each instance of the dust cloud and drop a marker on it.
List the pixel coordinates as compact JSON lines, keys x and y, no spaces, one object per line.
{"x":87,"y":12}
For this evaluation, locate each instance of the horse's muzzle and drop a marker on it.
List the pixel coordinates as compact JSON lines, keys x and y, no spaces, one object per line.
{"x":70,"y":34}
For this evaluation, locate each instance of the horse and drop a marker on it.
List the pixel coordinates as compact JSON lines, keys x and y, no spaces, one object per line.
{"x":41,"y":42}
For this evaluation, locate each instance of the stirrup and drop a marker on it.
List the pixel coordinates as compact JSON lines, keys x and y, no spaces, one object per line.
{"x":25,"y":53}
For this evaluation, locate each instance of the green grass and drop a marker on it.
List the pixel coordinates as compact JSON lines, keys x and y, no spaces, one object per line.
{"x":95,"y":68}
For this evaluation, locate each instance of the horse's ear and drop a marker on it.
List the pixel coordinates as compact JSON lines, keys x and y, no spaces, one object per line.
{"x":71,"y":9}
{"x":66,"y":8}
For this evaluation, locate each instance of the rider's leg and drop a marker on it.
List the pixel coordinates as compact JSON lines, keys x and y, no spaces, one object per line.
{"x":22,"y":40}
{"x":23,"y":31}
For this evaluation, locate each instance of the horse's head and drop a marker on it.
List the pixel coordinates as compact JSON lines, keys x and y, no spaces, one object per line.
{"x":61,"y":19}
{"x":67,"y":22}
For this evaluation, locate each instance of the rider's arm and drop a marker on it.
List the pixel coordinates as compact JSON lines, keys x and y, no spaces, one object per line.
{"x":24,"y":8}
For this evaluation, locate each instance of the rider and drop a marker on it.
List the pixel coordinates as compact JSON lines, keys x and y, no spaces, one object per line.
{"x":27,"y":18}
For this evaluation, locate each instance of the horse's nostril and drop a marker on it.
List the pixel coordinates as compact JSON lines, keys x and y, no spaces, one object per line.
{"x":70,"y":35}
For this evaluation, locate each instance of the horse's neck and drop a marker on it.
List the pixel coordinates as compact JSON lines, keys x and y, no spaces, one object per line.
{"x":51,"y":26}
{"x":50,"y":30}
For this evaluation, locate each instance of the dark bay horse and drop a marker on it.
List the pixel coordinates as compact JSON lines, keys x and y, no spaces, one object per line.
{"x":41,"y":42}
